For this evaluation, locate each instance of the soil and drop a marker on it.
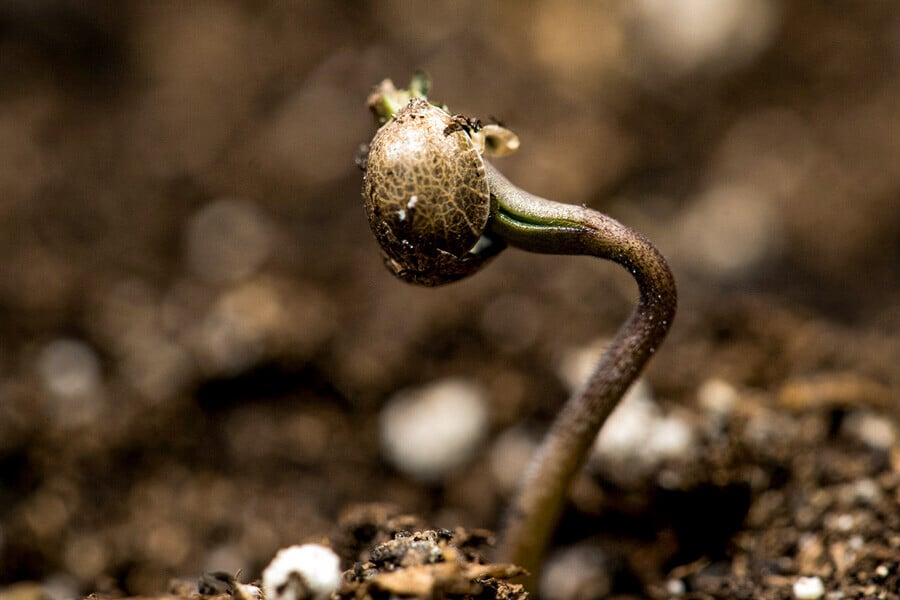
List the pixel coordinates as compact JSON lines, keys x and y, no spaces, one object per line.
{"x":197,"y":337}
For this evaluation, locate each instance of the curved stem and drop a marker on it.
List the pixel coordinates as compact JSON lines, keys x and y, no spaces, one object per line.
{"x":539,"y":225}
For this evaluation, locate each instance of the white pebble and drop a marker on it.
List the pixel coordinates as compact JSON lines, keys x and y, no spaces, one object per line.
{"x":307,"y":572}
{"x":863,"y":491}
{"x":156,"y":366}
{"x":875,"y":431}
{"x":689,"y":34}
{"x":239,"y":328}
{"x":671,"y":439}
{"x":70,"y":372}
{"x":581,"y":571}
{"x":729,"y":230}
{"x":69,"y":368}
{"x":843,"y":522}
{"x":430,"y":431}
{"x":640,"y":437}
{"x":675,"y":587}
{"x":60,"y":586}
{"x":510,"y":455}
{"x":626,"y":434}
{"x":228,"y":240}
{"x":717,"y":396}
{"x":809,"y":588}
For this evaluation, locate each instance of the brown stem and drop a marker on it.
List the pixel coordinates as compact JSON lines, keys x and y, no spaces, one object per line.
{"x":539,"y":225}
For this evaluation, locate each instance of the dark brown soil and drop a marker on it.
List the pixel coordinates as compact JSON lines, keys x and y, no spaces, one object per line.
{"x":197,"y":337}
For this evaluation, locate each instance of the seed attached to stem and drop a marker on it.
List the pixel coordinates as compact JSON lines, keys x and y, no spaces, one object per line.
{"x":464,"y":213}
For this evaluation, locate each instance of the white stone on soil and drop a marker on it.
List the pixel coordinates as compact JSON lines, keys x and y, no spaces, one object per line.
{"x":307,"y":572}
{"x":683,"y":36}
{"x":69,"y":370}
{"x":639,"y":436}
{"x":809,"y":588}
{"x":228,"y":240}
{"x":430,"y":431}
{"x":717,"y":396}
{"x":575,"y":573}
{"x":510,"y":455}
{"x":873,"y":430}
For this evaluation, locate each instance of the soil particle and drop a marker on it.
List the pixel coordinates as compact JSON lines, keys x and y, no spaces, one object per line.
{"x":422,"y":564}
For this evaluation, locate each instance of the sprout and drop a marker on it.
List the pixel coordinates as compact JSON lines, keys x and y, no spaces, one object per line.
{"x":464,"y":214}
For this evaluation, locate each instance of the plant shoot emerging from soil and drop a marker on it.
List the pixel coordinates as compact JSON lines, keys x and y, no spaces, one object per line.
{"x":440,"y":212}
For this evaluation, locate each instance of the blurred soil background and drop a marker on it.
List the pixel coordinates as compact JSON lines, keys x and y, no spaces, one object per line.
{"x":203,"y":360}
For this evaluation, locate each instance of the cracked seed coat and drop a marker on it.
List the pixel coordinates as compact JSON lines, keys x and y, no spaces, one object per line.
{"x":426,"y":195}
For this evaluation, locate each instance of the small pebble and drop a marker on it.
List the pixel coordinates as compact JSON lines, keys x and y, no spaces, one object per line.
{"x":69,"y":368}
{"x":60,"y":586}
{"x":717,"y":396}
{"x":86,"y":556}
{"x":809,"y":588}
{"x":510,"y":455}
{"x":842,"y":522}
{"x":626,"y":433}
{"x":675,"y":587}
{"x":307,"y":572}
{"x":672,"y":438}
{"x":228,"y":240}
{"x":578,"y":572}
{"x":875,"y":431}
{"x":862,"y":492}
{"x":680,"y":37}
{"x":237,"y":331}
{"x":729,"y":231}
{"x":640,"y":436}
{"x":430,"y":431}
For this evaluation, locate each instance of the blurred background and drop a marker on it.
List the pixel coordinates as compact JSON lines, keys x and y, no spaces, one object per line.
{"x":201,"y":353}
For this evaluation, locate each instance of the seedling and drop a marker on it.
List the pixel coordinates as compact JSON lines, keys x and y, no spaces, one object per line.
{"x":440,"y":212}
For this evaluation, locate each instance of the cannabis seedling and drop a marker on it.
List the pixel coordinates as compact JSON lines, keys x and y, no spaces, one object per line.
{"x":440,"y":212}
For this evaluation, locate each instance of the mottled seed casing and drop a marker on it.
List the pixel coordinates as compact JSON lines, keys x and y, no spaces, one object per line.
{"x":426,"y":195}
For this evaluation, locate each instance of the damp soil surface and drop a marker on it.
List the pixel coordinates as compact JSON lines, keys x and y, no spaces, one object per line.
{"x":198,"y":340}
